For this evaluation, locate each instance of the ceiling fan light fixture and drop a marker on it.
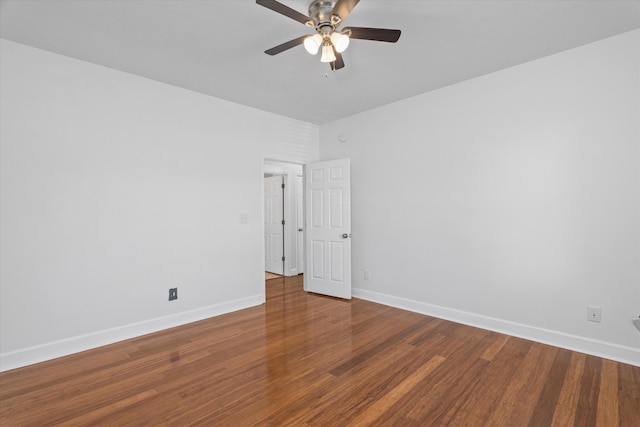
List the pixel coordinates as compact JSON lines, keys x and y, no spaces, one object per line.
{"x":340,"y":41}
{"x":325,"y":16}
{"x":312,"y":43}
{"x":327,"y":53}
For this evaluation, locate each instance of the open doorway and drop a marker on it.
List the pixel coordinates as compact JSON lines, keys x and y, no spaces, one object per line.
{"x":283,"y":219}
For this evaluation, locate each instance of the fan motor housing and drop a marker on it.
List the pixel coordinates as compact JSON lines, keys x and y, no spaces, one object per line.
{"x":320,"y":11}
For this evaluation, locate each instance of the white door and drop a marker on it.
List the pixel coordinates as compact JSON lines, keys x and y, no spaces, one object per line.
{"x":300,"y":223}
{"x":273,"y":229}
{"x":328,"y":228}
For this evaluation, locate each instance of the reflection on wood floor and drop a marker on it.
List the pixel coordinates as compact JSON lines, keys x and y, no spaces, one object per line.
{"x":308,"y":360}
{"x":268,"y":275}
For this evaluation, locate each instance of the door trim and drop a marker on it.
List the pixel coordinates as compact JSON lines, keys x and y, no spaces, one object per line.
{"x":289,"y":253}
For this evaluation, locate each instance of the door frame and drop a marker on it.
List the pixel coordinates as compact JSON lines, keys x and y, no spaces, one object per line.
{"x":290,"y":206}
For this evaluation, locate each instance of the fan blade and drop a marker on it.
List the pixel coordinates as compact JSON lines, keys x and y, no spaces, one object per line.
{"x":377,"y":34}
{"x":284,"y":46}
{"x":343,"y":8}
{"x":339,"y":62}
{"x":284,"y":10}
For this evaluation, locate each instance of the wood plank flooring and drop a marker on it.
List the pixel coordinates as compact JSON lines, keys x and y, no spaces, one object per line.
{"x":308,"y":360}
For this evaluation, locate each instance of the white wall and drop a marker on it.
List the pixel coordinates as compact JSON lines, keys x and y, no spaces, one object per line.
{"x":510,"y":201}
{"x":115,"y":188}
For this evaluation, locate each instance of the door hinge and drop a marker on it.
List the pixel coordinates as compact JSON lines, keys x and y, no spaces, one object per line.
{"x":283,"y":185}
{"x":282,"y":258}
{"x":283,"y":222}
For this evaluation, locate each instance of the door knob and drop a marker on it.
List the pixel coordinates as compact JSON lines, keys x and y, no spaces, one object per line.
{"x":299,"y":229}
{"x":346,"y":236}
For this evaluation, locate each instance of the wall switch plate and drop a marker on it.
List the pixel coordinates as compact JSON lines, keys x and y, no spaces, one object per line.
{"x":173,"y":294}
{"x":594,"y":314}
{"x":244,"y":218}
{"x":367,"y":275}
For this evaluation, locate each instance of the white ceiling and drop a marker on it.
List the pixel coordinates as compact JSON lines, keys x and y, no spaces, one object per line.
{"x":217,"y":47}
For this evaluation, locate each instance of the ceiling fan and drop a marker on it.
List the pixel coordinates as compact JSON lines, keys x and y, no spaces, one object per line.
{"x":326,"y":16}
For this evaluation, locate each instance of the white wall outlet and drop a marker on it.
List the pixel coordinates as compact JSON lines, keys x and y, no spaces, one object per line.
{"x":244,"y":218}
{"x":367,"y":274}
{"x":594,"y":314}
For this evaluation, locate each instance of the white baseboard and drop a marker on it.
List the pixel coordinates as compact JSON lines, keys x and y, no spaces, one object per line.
{"x":52,"y":350}
{"x":602,"y":349}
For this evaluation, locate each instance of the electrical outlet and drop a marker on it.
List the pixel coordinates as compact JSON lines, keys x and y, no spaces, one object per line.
{"x":367,"y":275}
{"x":594,"y":314}
{"x":173,"y":294}
{"x":244,"y":218}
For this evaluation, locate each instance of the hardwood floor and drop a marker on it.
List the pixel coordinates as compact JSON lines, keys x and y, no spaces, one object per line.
{"x":307,"y":360}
